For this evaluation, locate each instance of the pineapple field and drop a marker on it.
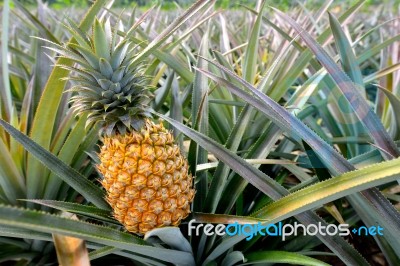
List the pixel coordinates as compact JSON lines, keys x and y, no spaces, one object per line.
{"x":210,"y":133}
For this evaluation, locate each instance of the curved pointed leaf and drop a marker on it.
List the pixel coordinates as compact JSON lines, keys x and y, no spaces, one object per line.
{"x":171,"y":236}
{"x":6,"y":91}
{"x":395,"y":103}
{"x":233,"y":258}
{"x":84,"y":210}
{"x":335,"y":188}
{"x":68,"y":174}
{"x":48,"y":223}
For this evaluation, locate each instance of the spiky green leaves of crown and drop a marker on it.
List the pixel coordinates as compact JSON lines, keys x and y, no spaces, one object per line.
{"x":108,"y":86}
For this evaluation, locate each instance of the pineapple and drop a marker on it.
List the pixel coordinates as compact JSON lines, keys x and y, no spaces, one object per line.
{"x":145,"y":175}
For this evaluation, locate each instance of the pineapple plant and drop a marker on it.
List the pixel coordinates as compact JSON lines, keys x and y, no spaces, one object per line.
{"x":245,"y":135}
{"x":145,"y":174}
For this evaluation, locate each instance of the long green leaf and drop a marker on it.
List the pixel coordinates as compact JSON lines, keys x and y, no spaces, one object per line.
{"x":6,"y":92}
{"x":200,"y":116}
{"x":11,"y":181}
{"x":251,"y":56}
{"x":347,"y":55}
{"x":84,"y":210}
{"x":101,"y":252}
{"x":66,"y":154}
{"x":77,"y":181}
{"x":395,"y":103}
{"x":10,"y":231}
{"x":47,"y":223}
{"x":329,"y":190}
{"x":351,"y":68}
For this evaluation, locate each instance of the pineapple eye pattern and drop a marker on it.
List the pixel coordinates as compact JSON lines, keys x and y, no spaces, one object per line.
{"x":149,"y":189}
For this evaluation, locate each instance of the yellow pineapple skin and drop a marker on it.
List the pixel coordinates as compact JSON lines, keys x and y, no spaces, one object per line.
{"x":146,"y":178}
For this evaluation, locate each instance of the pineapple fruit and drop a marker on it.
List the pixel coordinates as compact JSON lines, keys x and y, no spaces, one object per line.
{"x":145,"y":175}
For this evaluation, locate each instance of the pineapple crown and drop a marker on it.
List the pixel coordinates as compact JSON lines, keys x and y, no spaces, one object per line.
{"x":109,"y":87}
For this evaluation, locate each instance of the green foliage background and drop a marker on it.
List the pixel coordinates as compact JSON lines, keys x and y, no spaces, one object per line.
{"x":171,"y":4}
{"x":265,"y":151}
